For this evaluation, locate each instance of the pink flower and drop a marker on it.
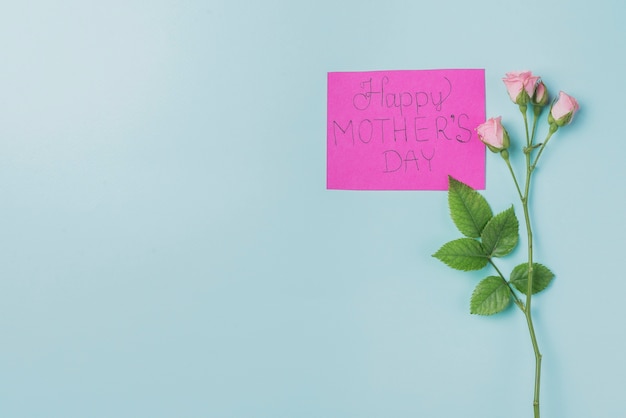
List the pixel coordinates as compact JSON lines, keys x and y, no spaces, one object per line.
{"x":493,"y":134}
{"x":520,"y":85}
{"x":563,"y":109}
{"x":541,"y":95}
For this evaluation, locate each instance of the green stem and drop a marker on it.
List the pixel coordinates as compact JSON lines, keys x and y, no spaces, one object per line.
{"x":533,"y":338}
{"x":536,"y":112}
{"x":525,"y":197}
{"x":553,"y":129}
{"x":519,"y":191}
{"x":528,"y":312}
{"x":522,"y":108}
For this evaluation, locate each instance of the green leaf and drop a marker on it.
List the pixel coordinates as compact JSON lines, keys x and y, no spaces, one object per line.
{"x":542,"y":276}
{"x":463,"y":254}
{"x":501,"y":234}
{"x":490,"y":296}
{"x":468,"y":208}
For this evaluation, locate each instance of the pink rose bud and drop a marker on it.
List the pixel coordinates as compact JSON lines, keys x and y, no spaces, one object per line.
{"x":541,"y":95}
{"x":520,"y":85}
{"x":493,"y":134}
{"x":563,"y":110}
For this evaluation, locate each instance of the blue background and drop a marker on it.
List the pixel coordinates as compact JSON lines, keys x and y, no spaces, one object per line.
{"x":168,"y":248}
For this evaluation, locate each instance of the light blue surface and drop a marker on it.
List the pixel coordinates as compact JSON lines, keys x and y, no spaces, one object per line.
{"x":169,"y":249}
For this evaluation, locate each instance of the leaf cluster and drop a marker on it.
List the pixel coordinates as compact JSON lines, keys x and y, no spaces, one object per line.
{"x":487,"y":236}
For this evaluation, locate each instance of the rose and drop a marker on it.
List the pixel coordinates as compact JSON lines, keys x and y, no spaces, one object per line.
{"x":563,"y":109}
{"x":541,"y":95}
{"x":493,"y":134}
{"x":520,"y":85}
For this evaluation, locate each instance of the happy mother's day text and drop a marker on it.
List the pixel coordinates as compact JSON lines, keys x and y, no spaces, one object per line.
{"x":402,"y":129}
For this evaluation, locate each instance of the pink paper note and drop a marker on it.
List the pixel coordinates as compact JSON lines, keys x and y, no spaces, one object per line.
{"x":405,"y":130}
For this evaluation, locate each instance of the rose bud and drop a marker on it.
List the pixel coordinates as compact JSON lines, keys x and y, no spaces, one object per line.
{"x":520,"y":85}
{"x":493,"y":134}
{"x":540,"y":98}
{"x":563,"y":109}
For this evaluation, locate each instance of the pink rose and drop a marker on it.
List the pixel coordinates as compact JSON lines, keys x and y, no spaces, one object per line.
{"x":493,"y":134}
{"x":520,"y":85}
{"x":563,"y":109}
{"x":541,"y":95}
